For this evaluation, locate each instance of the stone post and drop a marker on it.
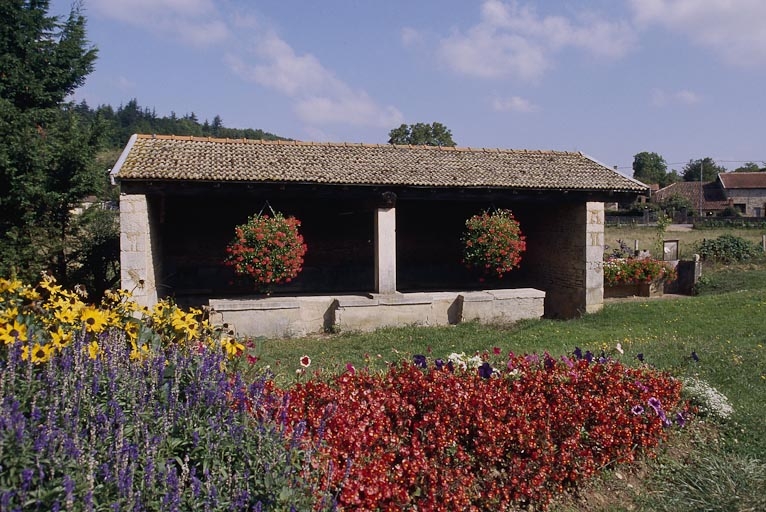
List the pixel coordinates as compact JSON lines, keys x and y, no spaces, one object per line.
{"x":594,"y":257}
{"x":137,"y":265}
{"x":385,"y":250}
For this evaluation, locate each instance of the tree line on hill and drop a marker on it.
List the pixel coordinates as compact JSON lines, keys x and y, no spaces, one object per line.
{"x":117,"y":125}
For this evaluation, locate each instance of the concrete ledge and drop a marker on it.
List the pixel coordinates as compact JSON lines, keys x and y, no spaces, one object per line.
{"x":280,"y":317}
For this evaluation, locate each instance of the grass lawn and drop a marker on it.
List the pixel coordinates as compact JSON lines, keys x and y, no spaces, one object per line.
{"x":646,"y":236}
{"x":725,"y":327}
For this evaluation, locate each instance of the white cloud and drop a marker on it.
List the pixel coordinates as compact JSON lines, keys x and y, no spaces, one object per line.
{"x":197,"y":22}
{"x":320,"y":97}
{"x":661,"y":98}
{"x":734,"y":29}
{"x":513,"y":40}
{"x":513,"y":104}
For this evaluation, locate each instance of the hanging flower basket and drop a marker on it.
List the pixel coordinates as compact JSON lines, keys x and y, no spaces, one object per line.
{"x":493,"y":243}
{"x":268,"y":249}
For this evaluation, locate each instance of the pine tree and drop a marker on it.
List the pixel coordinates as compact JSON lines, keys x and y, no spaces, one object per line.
{"x":47,"y":148}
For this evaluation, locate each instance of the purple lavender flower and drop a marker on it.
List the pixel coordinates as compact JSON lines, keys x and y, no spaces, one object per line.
{"x":695,"y":357}
{"x":532,"y":358}
{"x":485,"y":371}
{"x":567,"y":361}
{"x":577,"y":353}
{"x":439,"y":363}
{"x":589,"y":356}
{"x":419,"y":360}
{"x":640,"y":356}
{"x":637,"y":410}
{"x":451,"y":366}
{"x":680,"y":420}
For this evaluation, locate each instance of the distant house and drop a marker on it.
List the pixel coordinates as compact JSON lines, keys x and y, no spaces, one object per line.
{"x":382,"y":223}
{"x":706,"y":198}
{"x":746,"y":191}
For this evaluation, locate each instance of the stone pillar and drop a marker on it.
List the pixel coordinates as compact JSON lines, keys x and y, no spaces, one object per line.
{"x":137,"y":254}
{"x":385,"y":250}
{"x":594,"y":257}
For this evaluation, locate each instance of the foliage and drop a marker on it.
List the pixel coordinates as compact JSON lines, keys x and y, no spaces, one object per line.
{"x":676,"y":203}
{"x":727,"y":249}
{"x":168,"y":432}
{"x":663,"y":221}
{"x":710,"y":170}
{"x":480,"y":433}
{"x":493,"y":243}
{"x":750,"y":167}
{"x":122,"y":122}
{"x":434,"y":134}
{"x":47,"y":150}
{"x":650,"y":168}
{"x":623,"y":250}
{"x":635,"y":270}
{"x":268,"y":249}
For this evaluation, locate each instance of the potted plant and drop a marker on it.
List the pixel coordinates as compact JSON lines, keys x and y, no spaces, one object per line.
{"x":493,"y":243}
{"x":636,"y":276}
{"x":267,"y":249}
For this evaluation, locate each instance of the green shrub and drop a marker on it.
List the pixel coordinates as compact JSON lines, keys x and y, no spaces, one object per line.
{"x":727,"y":249}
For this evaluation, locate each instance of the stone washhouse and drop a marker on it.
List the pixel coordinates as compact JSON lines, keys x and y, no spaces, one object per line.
{"x":382,"y":224}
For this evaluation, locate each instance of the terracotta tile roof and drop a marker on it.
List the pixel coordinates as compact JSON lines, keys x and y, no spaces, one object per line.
{"x":149,"y":157}
{"x":713,"y":196}
{"x":743,"y":179}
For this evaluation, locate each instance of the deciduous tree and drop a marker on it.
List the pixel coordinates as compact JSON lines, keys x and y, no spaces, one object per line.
{"x":434,"y":134}
{"x":710,"y":169}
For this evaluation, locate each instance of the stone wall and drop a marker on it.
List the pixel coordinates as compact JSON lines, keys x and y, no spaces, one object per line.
{"x":751,"y":198}
{"x":565,"y":252}
{"x":280,"y":317}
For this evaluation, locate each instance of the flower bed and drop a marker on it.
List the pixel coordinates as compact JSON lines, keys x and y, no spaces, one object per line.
{"x":619,"y":271}
{"x":466,"y":435}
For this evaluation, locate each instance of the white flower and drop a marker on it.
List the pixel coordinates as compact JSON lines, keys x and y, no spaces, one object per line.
{"x":708,"y":399}
{"x":619,"y":348}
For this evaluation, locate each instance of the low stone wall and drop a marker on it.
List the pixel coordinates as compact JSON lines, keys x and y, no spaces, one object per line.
{"x":283,"y":317}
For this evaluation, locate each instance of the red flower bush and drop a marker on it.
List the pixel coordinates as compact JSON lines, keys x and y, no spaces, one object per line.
{"x":449,"y":439}
{"x":493,"y":243}
{"x":635,"y":270}
{"x":268,"y":249}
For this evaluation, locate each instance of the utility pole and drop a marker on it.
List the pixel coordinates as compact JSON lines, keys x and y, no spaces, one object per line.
{"x":702,"y":195}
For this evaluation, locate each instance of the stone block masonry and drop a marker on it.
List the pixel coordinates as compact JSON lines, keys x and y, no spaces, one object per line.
{"x":138,"y":249}
{"x":284,"y":317}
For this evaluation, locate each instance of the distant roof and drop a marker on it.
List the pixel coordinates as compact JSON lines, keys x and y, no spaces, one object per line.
{"x":173,"y":158}
{"x":743,"y":179}
{"x":713,"y":197}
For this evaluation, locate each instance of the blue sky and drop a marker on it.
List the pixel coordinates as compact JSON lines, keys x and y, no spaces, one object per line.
{"x":610,"y":78}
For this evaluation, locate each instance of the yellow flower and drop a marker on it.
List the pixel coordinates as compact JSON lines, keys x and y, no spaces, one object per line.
{"x":93,"y":349}
{"x":8,"y":286}
{"x":12,"y":331}
{"x":138,"y":353}
{"x":30,"y":293}
{"x":94,"y":319}
{"x":231,"y":346}
{"x":131,"y":329}
{"x":41,"y":353}
{"x":66,"y":315}
{"x":60,"y":339}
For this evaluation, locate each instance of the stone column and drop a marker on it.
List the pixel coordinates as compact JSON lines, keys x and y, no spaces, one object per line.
{"x":385,"y":250}
{"x":137,"y":265}
{"x":594,"y":256}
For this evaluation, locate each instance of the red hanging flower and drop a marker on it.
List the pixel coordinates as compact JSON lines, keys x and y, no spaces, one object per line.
{"x":268,"y":249}
{"x":493,"y":243}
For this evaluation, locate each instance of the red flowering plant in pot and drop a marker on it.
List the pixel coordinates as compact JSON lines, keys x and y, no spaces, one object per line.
{"x":493,"y":243}
{"x":618,"y":271}
{"x":268,"y":249}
